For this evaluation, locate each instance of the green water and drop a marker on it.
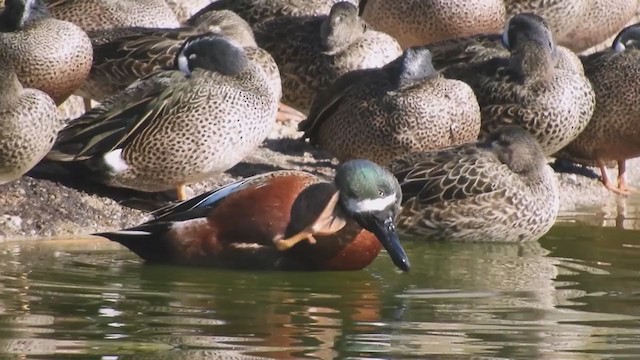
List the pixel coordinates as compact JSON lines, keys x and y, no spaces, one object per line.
{"x":573,"y":295}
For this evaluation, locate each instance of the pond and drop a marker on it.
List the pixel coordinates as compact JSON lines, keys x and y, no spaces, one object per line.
{"x":575,"y":294}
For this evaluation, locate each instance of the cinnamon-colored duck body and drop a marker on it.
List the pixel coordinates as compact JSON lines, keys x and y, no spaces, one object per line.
{"x":284,"y":220}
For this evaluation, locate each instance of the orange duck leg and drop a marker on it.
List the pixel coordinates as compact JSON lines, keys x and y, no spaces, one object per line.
{"x":622,"y":188}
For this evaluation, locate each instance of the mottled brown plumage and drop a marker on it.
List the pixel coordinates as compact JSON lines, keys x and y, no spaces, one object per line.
{"x":93,"y":15}
{"x":404,"y":107}
{"x":50,"y":55}
{"x":528,"y":89}
{"x":613,"y":133}
{"x":420,"y":22}
{"x":579,"y":24}
{"x":29,"y":123}
{"x":498,"y":189}
{"x":312,"y":52}
{"x":480,"y":48}
{"x":257,"y":11}
{"x":124,"y":55}
{"x":176,"y":127}
{"x":184,"y":9}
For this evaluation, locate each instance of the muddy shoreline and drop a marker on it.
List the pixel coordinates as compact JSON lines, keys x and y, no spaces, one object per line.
{"x":50,"y":201}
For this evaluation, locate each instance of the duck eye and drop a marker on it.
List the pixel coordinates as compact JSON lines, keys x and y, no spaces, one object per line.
{"x":380,"y":192}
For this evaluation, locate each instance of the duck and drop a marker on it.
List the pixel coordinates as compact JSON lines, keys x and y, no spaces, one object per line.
{"x":29,"y":122}
{"x":93,"y":15}
{"x":258,"y":11}
{"x":461,"y":51}
{"x":178,"y":126}
{"x":528,"y":89}
{"x":421,"y":22}
{"x":312,"y":52}
{"x":612,"y":133}
{"x":283,"y":220}
{"x":498,"y":189}
{"x":579,"y":24}
{"x":47,"y":54}
{"x":404,"y":107}
{"x":123,"y":55}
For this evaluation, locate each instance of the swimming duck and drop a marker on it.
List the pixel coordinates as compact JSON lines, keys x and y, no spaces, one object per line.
{"x":179,"y":126}
{"x":420,"y":22}
{"x":284,"y":220}
{"x":50,"y":55}
{"x":612,"y":132}
{"x":312,"y":52}
{"x":257,"y":11}
{"x":528,"y":89}
{"x":29,"y":123}
{"x":404,"y":107}
{"x":93,"y":15}
{"x":579,"y":24}
{"x":497,"y":189}
{"x":123,"y":55}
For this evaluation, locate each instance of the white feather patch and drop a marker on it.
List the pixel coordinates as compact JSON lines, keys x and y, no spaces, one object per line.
{"x":368,"y":205}
{"x":183,"y":64}
{"x":132,"y":232}
{"x":114,"y":160}
{"x":619,"y":47}
{"x":247,"y":246}
{"x":27,"y":11}
{"x":505,"y":35}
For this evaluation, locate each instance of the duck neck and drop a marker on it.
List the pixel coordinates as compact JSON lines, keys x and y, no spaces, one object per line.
{"x":337,"y":37}
{"x":19,"y":14}
{"x":535,"y":171}
{"x":534,"y":62}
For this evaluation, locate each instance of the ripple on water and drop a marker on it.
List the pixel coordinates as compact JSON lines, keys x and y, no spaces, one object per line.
{"x":573,"y":295}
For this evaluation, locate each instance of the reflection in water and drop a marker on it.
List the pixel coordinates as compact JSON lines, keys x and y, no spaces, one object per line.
{"x":620,"y":212}
{"x":573,"y":295}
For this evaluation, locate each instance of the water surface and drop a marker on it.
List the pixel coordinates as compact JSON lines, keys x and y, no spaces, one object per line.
{"x":573,"y":295}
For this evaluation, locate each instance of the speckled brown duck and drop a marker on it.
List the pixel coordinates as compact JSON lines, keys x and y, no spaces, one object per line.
{"x":123,"y":55}
{"x":312,"y":52}
{"x":50,"y":55}
{"x":179,"y":126}
{"x":404,"y":107}
{"x":475,"y":49}
{"x":29,"y":123}
{"x":613,"y":133}
{"x":528,"y":89}
{"x":93,"y":15}
{"x":499,"y":189}
{"x":579,"y":24}
{"x":283,"y":220}
{"x":257,"y":11}
{"x":420,"y":22}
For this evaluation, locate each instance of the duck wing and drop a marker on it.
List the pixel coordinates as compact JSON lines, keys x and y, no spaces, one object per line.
{"x":449,"y":174}
{"x":120,"y":118}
